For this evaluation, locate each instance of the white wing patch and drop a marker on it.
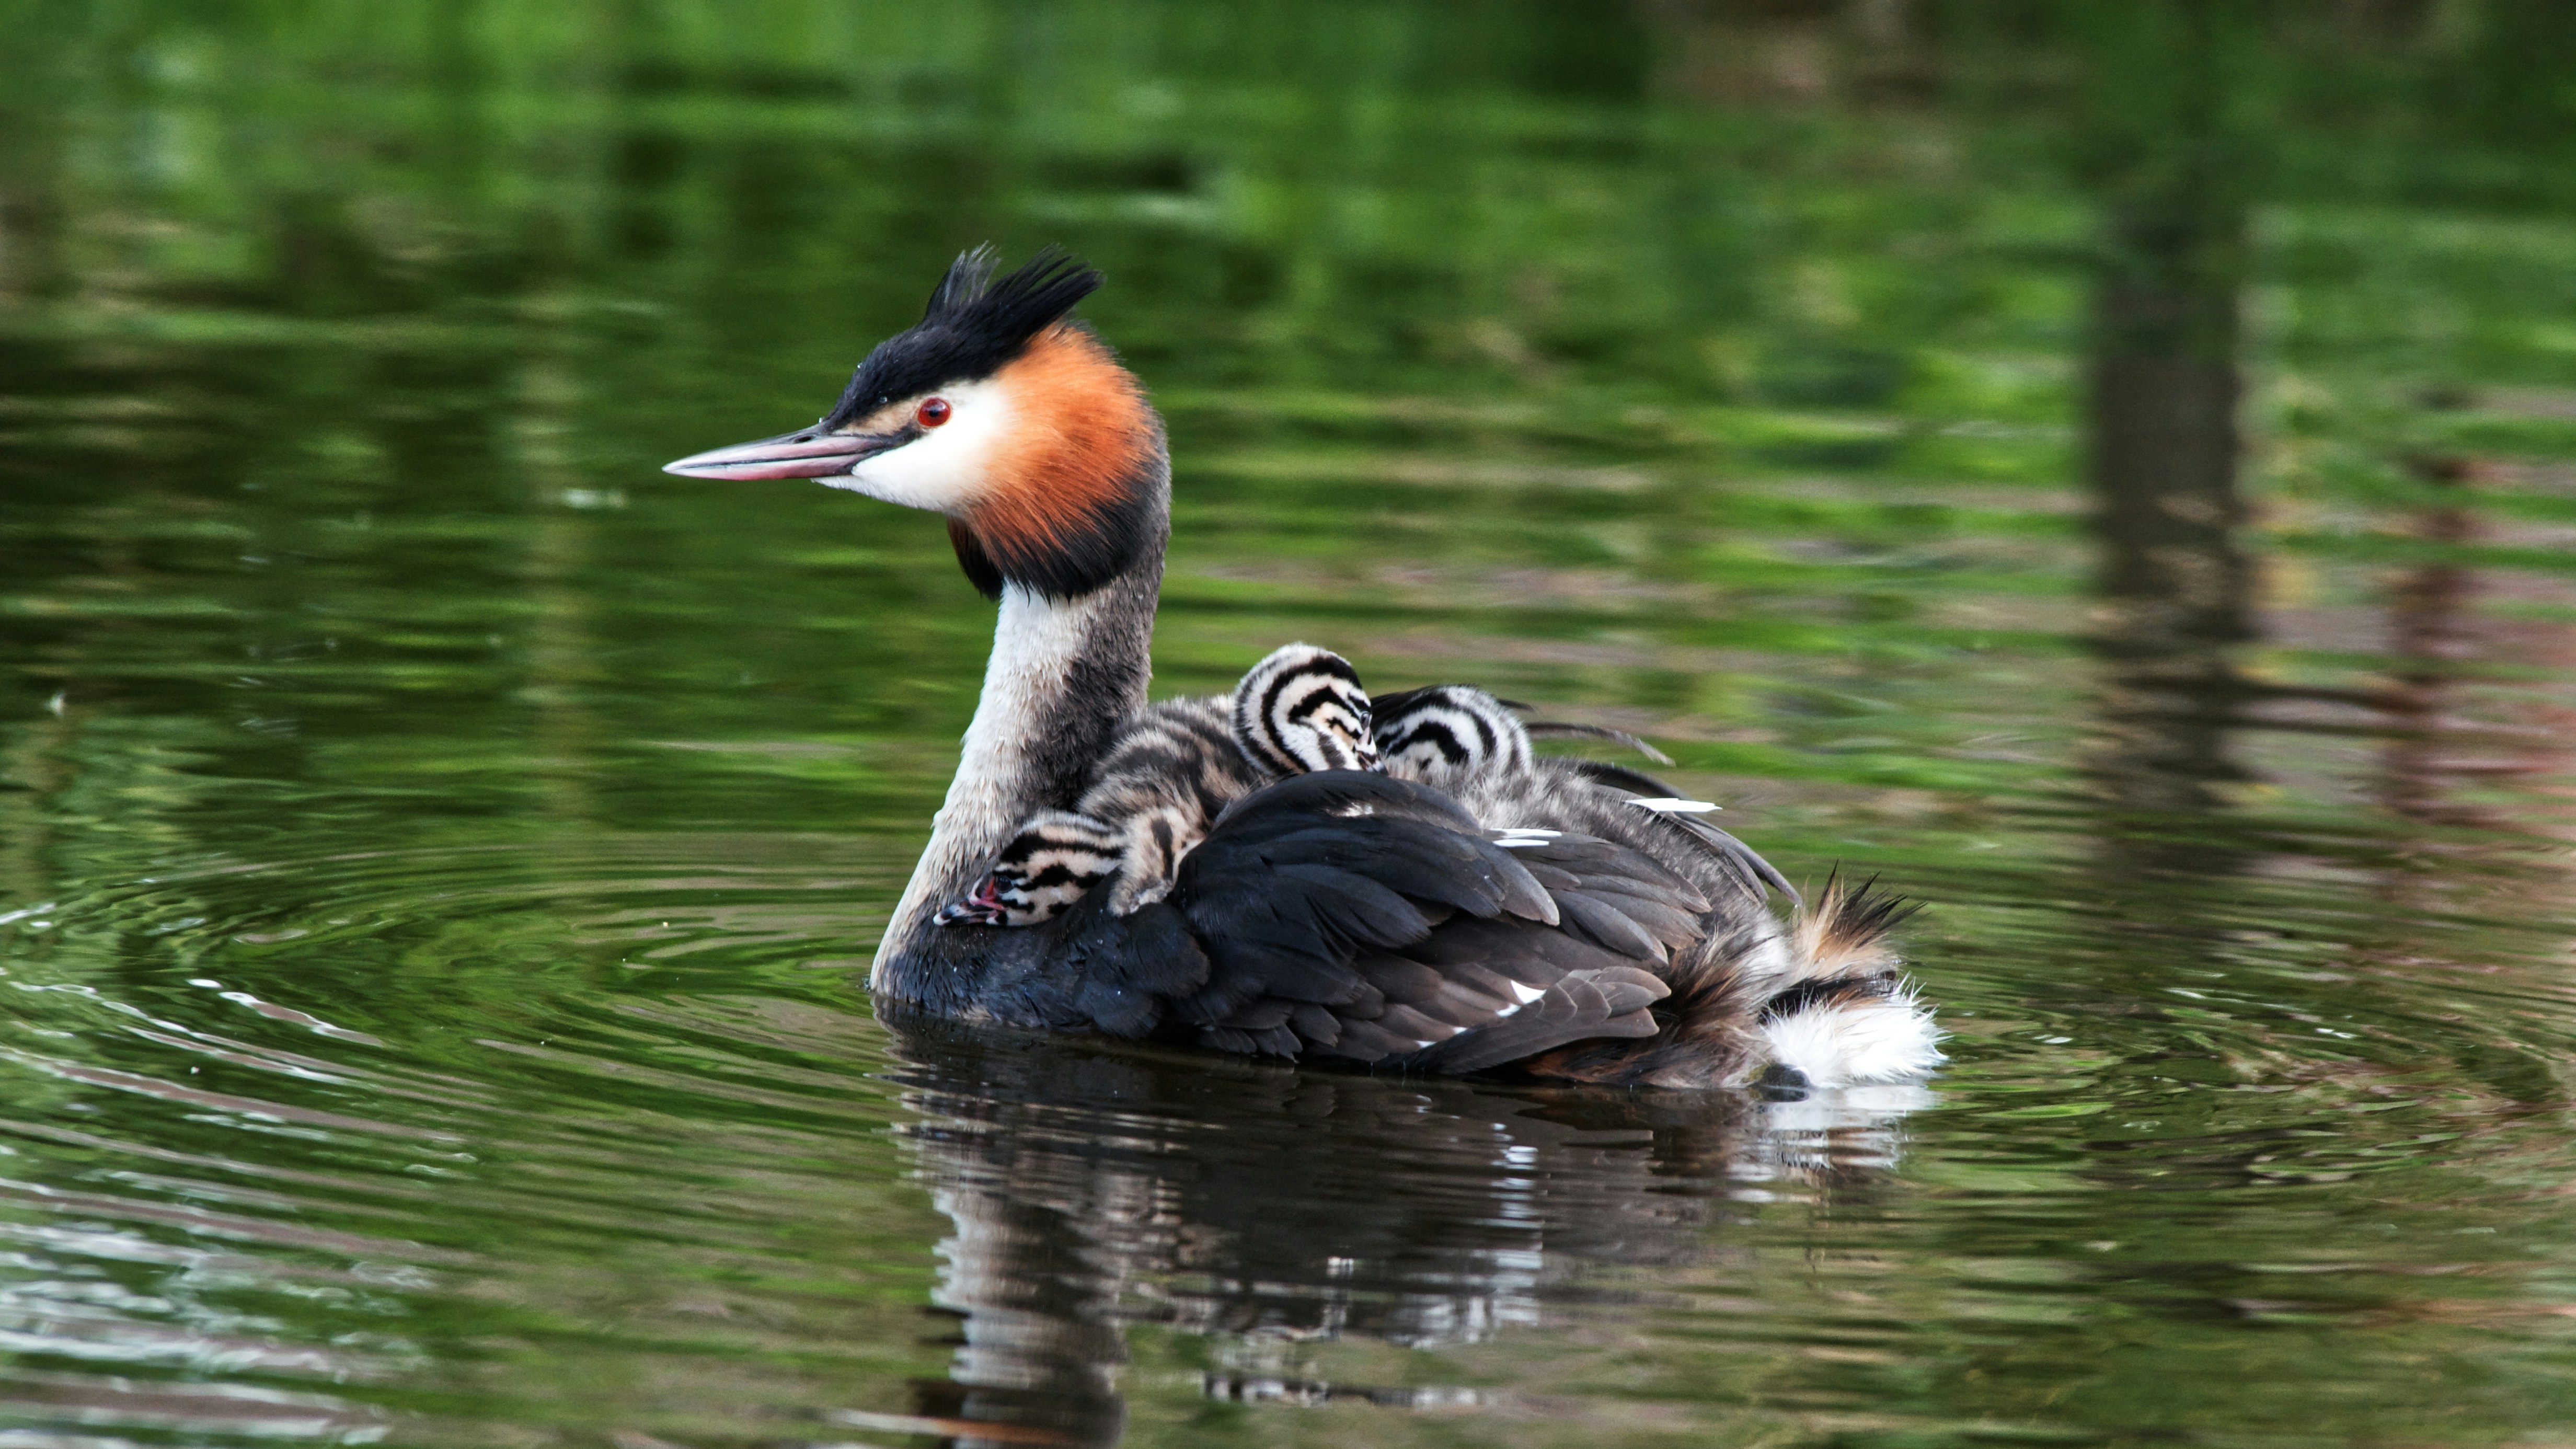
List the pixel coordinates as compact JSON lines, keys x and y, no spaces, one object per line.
{"x":1675,"y":805}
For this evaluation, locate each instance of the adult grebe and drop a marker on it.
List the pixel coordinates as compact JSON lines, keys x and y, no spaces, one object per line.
{"x":1499,"y":911}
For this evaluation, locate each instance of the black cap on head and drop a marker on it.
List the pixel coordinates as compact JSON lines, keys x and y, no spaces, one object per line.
{"x":972,"y":327}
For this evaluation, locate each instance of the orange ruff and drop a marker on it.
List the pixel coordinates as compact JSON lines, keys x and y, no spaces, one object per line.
{"x":1080,"y":432}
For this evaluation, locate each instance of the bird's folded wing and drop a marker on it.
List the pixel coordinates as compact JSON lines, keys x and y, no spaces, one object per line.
{"x":1370,"y":919}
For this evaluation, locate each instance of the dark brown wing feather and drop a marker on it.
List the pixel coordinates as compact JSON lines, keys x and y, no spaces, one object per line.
{"x":1409,"y":937}
{"x":1708,"y":1024}
{"x":1367,"y":919}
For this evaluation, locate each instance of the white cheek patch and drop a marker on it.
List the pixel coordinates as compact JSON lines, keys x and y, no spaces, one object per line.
{"x":947,"y":467}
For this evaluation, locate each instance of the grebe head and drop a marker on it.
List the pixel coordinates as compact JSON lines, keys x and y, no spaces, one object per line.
{"x":1000,"y":412}
{"x":1054,"y":861}
{"x":1303,"y":709}
{"x":1447,"y":734}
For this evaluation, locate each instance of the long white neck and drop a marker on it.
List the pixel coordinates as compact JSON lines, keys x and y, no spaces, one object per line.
{"x":1063,"y":676}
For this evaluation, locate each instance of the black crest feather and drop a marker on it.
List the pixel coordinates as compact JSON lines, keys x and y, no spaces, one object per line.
{"x":1017,"y":307}
{"x":972,"y":328}
{"x":965,"y":281}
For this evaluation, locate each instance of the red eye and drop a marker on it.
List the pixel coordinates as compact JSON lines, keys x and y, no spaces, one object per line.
{"x":932,"y":412}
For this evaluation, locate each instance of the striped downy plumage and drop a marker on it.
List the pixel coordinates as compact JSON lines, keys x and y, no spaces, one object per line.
{"x":1054,"y":861}
{"x":1165,"y":778}
{"x":1303,"y":709}
{"x":1493,"y":911}
{"x":1443,"y":734}
{"x":1447,"y":732}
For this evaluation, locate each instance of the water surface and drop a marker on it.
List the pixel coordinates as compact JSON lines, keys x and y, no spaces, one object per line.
{"x":2112,"y":483}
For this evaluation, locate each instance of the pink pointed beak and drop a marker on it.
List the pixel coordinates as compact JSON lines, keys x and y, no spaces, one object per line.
{"x":967,"y":913}
{"x":805,"y":453}
{"x":982,"y":906}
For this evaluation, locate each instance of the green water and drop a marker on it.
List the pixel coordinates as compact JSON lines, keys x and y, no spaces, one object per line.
{"x":2109,"y":471}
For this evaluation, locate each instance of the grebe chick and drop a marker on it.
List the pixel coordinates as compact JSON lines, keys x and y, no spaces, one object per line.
{"x":1453,"y":732}
{"x":1303,"y":709}
{"x":1467,"y":742}
{"x":1445,"y":735}
{"x":1166,"y":778}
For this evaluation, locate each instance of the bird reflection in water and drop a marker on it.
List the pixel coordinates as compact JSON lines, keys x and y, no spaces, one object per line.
{"x":1275,"y":1207}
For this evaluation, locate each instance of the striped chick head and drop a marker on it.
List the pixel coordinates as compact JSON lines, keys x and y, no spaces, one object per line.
{"x":1302,"y":709}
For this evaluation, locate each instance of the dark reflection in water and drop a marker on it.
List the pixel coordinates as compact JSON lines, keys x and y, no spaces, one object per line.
{"x":1262,"y":1204}
{"x":2177,"y":171}
{"x":2162,"y":441}
{"x":2449,"y":747}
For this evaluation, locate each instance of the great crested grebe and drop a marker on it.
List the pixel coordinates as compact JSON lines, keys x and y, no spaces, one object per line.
{"x":1498,"y":911}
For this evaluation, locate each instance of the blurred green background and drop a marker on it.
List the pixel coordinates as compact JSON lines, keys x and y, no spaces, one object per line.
{"x":2108,"y":468}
